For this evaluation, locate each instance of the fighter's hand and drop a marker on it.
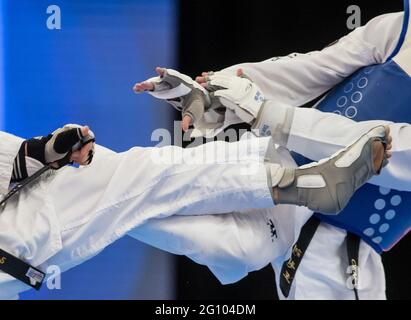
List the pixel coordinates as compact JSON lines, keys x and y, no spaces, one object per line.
{"x":180,"y":91}
{"x":148,"y":85}
{"x":237,"y":93}
{"x":205,"y":76}
{"x":72,"y":143}
{"x":85,"y":154}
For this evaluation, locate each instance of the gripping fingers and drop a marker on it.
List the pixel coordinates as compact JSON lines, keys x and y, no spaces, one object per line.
{"x":185,"y":125}
{"x":161,"y":71}
{"x":83,"y":156}
{"x":83,"y":151}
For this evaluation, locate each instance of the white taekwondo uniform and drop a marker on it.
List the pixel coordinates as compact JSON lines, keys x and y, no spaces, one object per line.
{"x":72,"y":214}
{"x":234,"y":244}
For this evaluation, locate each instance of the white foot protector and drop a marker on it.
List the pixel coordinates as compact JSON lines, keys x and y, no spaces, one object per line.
{"x":328,"y":185}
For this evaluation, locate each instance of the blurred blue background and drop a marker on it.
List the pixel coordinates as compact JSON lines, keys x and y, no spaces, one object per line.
{"x":84,"y":73}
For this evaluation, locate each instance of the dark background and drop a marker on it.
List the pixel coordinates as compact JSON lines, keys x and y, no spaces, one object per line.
{"x":217,"y":34}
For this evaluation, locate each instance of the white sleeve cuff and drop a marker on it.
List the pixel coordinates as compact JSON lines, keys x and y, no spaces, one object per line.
{"x":9,"y":147}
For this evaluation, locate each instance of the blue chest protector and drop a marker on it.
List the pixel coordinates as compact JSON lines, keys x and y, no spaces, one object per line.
{"x":380,"y":216}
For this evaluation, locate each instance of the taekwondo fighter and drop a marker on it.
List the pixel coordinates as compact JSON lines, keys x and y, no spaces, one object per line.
{"x":72,"y":214}
{"x":253,"y":239}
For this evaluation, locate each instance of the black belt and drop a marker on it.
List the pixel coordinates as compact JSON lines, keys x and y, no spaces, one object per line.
{"x":290,"y":267}
{"x":12,"y":265}
{"x":353,"y":249}
{"x":21,"y":270}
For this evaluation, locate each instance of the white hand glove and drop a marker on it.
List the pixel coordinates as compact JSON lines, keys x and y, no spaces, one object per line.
{"x":63,"y":141}
{"x":72,"y":143}
{"x":238,"y":94}
{"x":244,"y":98}
{"x":179,"y":90}
{"x":208,"y":115}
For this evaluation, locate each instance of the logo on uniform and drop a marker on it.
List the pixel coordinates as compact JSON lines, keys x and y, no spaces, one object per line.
{"x":273,"y":230}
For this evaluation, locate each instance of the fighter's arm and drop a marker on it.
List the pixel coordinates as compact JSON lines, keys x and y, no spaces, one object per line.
{"x":298,"y":79}
{"x":294,"y":80}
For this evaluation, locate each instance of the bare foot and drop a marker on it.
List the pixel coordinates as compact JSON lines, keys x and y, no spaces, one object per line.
{"x":380,"y":152}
